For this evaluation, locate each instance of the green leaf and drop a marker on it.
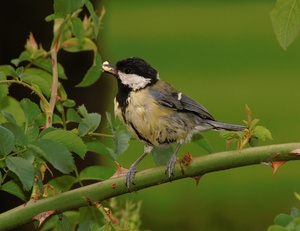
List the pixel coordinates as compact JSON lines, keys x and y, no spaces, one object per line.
{"x":63,"y":183}
{"x":17,"y":133}
{"x":294,"y":225}
{"x":105,"y":227}
{"x":51,"y":224}
{"x":111,"y":125}
{"x":7,"y":141}
{"x":95,"y":18}
{"x":28,"y":155}
{"x":253,"y":141}
{"x":262,"y":133}
{"x":62,"y":92}
{"x":46,"y":64}
{"x":93,"y":74}
{"x":31,"y":112}
{"x":63,"y":223}
{"x":67,"y":6}
{"x":162,"y":155}
{"x":82,"y":110}
{"x":8,"y":70}
{"x":3,"y":86}
{"x":74,"y":45}
{"x":95,"y":146}
{"x":295,"y":212}
{"x":23,"y":169}
{"x":40,"y":78}
{"x":32,"y":133}
{"x":285,"y":18}
{"x":297,"y":195}
{"x":90,"y":213}
{"x":77,"y":29}
{"x":39,"y":179}
{"x":55,"y":153}
{"x":121,"y":138}
{"x":96,"y":173}
{"x":24,"y":56}
{"x":57,"y":119}
{"x":53,"y":16}
{"x":121,"y":141}
{"x":277,"y":228}
{"x":40,"y":120}
{"x":8,"y":116}
{"x":69,"y":103}
{"x":68,"y":139}
{"x":72,"y":116}
{"x":254,"y":122}
{"x":87,"y":225}
{"x":19,"y":71}
{"x":202,"y":142}
{"x":283,"y":219}
{"x":89,"y":122}
{"x":13,"y":187}
{"x":12,"y":106}
{"x":47,"y":130}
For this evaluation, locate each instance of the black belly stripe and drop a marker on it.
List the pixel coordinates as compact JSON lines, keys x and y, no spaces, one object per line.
{"x":139,"y":134}
{"x":122,"y":97}
{"x":123,"y":116}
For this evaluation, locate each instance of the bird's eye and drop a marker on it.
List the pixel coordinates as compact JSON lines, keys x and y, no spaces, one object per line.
{"x":127,"y":70}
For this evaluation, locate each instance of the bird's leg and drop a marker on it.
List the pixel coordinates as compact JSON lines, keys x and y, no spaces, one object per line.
{"x":172,"y":161}
{"x":131,"y":172}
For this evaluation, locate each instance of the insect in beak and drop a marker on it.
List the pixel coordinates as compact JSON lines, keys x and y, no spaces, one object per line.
{"x":109,"y":68}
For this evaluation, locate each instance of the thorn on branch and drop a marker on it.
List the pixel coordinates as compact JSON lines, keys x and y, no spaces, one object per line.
{"x":295,"y":152}
{"x":41,"y":217}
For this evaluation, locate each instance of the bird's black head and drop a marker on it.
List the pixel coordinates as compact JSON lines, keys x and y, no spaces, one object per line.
{"x":134,"y":73}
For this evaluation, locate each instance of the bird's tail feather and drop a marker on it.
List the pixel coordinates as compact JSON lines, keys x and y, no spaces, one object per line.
{"x":225,"y":126}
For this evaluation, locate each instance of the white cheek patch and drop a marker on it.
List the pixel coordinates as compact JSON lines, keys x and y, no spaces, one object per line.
{"x":133,"y":81}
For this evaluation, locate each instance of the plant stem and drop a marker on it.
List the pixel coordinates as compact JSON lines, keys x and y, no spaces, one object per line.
{"x":38,"y":93}
{"x":151,"y":177}
{"x":52,"y":102}
{"x":101,"y":134}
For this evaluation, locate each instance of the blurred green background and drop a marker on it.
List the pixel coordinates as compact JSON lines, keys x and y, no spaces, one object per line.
{"x":224,"y":55}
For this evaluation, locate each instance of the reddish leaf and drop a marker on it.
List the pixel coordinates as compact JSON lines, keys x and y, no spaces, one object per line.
{"x":31,"y":43}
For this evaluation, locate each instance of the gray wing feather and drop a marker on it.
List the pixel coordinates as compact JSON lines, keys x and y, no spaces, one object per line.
{"x":193,"y":106}
{"x":168,"y":97}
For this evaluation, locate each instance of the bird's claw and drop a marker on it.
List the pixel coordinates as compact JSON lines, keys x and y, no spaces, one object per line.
{"x":170,"y":166}
{"x":130,"y":177}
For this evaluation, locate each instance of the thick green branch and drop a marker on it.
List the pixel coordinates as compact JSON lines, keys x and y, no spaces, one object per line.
{"x":148,"y":178}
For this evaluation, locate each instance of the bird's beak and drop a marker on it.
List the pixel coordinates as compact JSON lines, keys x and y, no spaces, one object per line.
{"x":109,"y":68}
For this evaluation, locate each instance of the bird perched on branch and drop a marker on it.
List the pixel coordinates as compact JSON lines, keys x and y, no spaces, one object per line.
{"x":156,"y":113}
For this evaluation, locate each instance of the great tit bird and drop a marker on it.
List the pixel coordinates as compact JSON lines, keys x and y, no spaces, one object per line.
{"x":156,"y":113}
